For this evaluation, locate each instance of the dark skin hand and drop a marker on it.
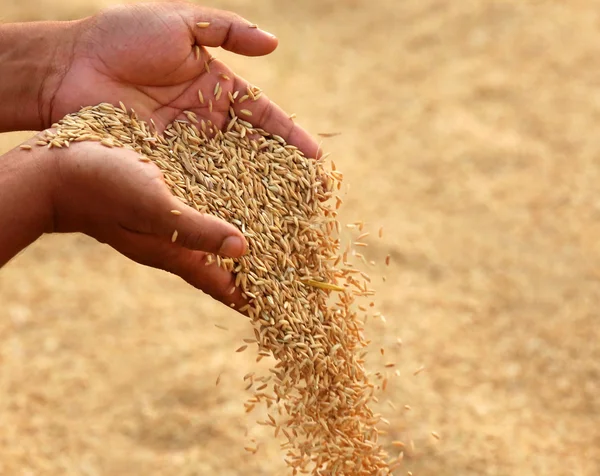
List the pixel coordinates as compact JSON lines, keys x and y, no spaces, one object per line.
{"x":112,"y":196}
{"x":144,"y":55}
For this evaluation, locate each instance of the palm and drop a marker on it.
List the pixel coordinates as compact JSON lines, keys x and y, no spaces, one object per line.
{"x":147,"y":57}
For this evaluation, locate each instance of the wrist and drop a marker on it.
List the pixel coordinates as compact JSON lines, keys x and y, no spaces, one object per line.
{"x":33,"y":59}
{"x":27,"y":179}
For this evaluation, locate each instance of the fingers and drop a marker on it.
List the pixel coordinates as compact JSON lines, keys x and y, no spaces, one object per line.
{"x":189,"y":265}
{"x":180,"y":224}
{"x":143,"y":203}
{"x":261,"y":112}
{"x":197,"y":231}
{"x":227,"y":30}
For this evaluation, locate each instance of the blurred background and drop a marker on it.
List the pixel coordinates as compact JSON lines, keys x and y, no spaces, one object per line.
{"x":469,"y":130}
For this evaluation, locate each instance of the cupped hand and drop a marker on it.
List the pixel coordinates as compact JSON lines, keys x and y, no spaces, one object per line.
{"x":110,"y":195}
{"x":153,"y":58}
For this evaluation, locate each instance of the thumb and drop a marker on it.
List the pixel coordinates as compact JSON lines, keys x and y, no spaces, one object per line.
{"x":193,"y":230}
{"x":157,"y":212}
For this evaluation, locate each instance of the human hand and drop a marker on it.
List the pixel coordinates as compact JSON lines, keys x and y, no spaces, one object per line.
{"x":112,"y":196}
{"x":153,"y":58}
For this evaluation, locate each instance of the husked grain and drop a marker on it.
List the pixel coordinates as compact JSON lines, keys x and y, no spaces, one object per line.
{"x":302,"y":306}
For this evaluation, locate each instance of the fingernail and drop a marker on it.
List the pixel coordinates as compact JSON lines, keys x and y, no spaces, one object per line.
{"x":268,"y":33}
{"x":232,"y":247}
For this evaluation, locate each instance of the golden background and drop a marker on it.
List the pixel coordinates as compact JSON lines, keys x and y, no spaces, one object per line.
{"x":470,"y":131}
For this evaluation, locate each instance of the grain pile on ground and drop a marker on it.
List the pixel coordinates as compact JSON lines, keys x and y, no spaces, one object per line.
{"x":301,"y":289}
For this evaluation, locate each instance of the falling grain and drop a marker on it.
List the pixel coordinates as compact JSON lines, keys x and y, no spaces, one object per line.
{"x":328,"y":134}
{"x":419,"y":370}
{"x":302,"y":308}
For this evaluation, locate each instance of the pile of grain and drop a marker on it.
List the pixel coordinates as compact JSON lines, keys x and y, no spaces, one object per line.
{"x":300,"y":287}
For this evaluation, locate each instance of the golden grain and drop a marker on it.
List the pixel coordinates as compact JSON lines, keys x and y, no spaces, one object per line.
{"x":328,"y":134}
{"x":302,"y":307}
{"x":203,"y":24}
{"x":419,"y":370}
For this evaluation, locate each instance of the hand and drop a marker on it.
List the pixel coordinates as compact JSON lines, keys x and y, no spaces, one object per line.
{"x":110,"y":195}
{"x":145,"y":56}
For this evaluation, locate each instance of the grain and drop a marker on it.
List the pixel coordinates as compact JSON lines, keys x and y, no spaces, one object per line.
{"x":436,"y":435}
{"x":25,"y":147}
{"x":174,"y":236}
{"x":176,"y":212}
{"x":203,"y":24}
{"x":419,"y":370}
{"x":197,"y":52}
{"x":328,"y":134}
{"x":302,"y":307}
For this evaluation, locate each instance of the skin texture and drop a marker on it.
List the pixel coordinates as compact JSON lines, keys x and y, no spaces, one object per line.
{"x":113,"y":197}
{"x":144,"y":55}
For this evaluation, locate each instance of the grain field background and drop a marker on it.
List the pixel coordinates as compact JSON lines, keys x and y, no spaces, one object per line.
{"x":470,"y":132}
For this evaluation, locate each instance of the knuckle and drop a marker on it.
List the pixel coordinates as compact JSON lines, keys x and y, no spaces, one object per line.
{"x":196,"y":239}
